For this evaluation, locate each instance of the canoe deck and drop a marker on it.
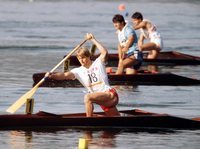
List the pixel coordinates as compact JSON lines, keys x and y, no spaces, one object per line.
{"x":164,"y":58}
{"x":127,"y":120}
{"x":138,"y":79}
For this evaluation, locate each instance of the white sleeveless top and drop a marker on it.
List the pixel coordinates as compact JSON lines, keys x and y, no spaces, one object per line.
{"x":151,"y":33}
{"x":95,"y":78}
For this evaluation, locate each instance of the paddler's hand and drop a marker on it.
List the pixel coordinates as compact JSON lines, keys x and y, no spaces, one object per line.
{"x":89,"y":36}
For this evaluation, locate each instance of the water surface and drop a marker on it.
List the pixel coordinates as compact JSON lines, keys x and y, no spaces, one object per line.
{"x":35,"y":35}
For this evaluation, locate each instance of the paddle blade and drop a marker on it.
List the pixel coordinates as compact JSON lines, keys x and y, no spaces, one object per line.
{"x":93,"y":49}
{"x":15,"y":106}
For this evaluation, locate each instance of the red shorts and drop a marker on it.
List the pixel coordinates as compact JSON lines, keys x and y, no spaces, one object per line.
{"x":112,"y":90}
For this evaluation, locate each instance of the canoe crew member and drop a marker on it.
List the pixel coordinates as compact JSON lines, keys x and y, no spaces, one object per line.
{"x":148,"y":31}
{"x":130,"y":58}
{"x":93,"y":76}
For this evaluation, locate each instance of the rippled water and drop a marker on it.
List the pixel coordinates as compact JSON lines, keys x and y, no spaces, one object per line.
{"x":35,"y":35}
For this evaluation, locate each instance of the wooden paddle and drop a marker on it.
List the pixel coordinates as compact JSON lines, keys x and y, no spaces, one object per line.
{"x":15,"y":106}
{"x":93,"y":49}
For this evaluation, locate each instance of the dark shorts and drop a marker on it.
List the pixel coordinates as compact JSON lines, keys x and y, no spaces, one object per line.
{"x":104,"y":108}
{"x":138,"y":56}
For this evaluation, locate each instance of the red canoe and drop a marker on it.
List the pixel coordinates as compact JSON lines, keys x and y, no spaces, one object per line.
{"x":129,"y":119}
{"x":145,"y":78}
{"x":164,"y":58}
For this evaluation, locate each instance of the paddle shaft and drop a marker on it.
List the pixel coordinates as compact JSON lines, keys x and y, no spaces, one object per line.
{"x":14,"y":107}
{"x":64,"y":59}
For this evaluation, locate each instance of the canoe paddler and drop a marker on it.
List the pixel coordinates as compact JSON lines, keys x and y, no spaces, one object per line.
{"x":92,"y":75}
{"x":130,"y":58}
{"x":150,"y":32}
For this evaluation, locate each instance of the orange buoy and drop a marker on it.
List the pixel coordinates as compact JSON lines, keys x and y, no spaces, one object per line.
{"x":121,"y":7}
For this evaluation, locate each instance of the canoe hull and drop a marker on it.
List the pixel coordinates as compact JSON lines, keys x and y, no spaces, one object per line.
{"x":138,"y":79}
{"x":129,"y":119}
{"x":164,"y":58}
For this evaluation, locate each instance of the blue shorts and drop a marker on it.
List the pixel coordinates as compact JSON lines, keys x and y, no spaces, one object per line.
{"x":138,"y":56}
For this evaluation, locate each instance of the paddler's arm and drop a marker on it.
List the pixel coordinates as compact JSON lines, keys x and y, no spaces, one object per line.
{"x":120,"y":53}
{"x":140,"y":41}
{"x":140,"y":25}
{"x":128,"y":44}
{"x":60,"y":75}
{"x":102,"y":49}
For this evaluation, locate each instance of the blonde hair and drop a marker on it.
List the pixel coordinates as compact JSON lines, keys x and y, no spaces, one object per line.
{"x":83,"y":51}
